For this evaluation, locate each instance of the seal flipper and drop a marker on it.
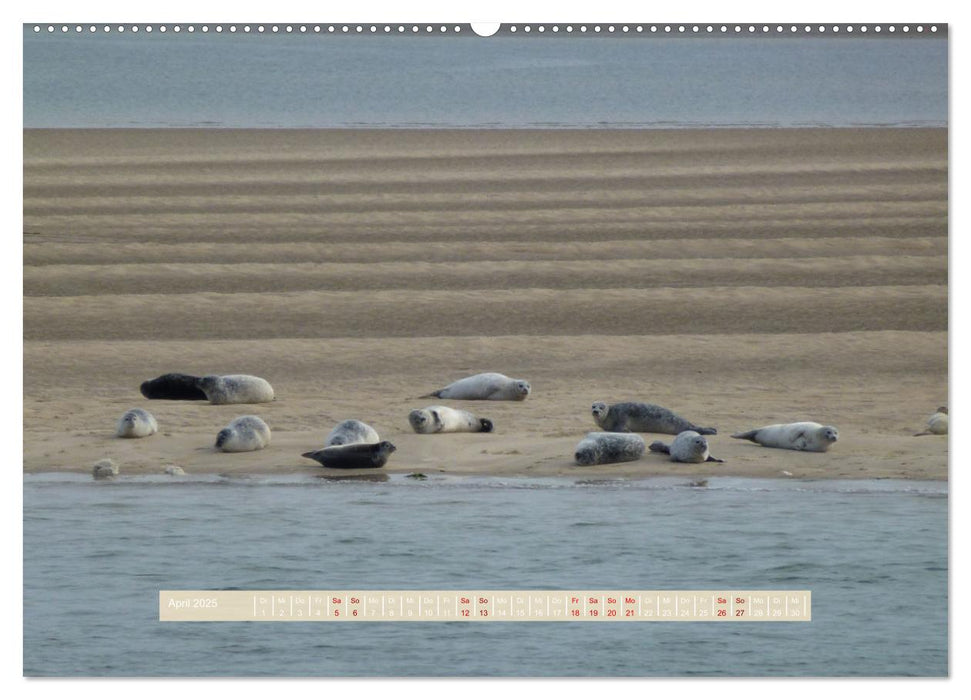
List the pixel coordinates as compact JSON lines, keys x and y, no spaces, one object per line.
{"x":706,"y":431}
{"x":658,"y":446}
{"x":748,"y":435}
{"x":714,"y":459}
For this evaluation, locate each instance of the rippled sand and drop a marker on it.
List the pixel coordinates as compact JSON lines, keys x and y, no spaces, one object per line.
{"x":738,"y":277}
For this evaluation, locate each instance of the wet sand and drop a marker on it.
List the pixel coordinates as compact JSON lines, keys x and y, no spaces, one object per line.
{"x":737,"y":277}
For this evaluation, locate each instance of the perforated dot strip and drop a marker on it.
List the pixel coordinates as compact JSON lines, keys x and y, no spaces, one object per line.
{"x":512,"y":29}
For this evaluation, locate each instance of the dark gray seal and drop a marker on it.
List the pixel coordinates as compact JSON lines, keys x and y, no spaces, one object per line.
{"x":173,"y":386}
{"x":357,"y":456}
{"x":634,"y":417}
{"x":688,"y":446}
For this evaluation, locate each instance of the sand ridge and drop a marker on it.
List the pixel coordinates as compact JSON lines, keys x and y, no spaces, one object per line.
{"x":738,"y":277}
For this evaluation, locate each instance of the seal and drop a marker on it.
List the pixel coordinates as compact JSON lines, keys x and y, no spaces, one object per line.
{"x":243,"y":434}
{"x":937,"y":423}
{"x":355,"y":456}
{"x":174,"y":386}
{"x":349,"y":432}
{"x":442,"y":419}
{"x":606,"y":448}
{"x":174,"y":470}
{"x":236,"y":388}
{"x":688,"y":446}
{"x":806,"y":436}
{"x":488,"y":386}
{"x":136,"y":423}
{"x":104,"y":469}
{"x":634,"y":417}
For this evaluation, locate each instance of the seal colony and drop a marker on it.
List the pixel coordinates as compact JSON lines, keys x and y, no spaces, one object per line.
{"x":353,"y":444}
{"x":635,"y":417}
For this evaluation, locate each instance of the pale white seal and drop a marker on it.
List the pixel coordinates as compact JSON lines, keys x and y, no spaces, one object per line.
{"x":606,"y":448}
{"x":136,"y":423}
{"x":937,"y":423}
{"x":442,"y":419}
{"x":688,"y":446}
{"x":350,"y":432}
{"x":488,"y":386}
{"x":806,"y":436}
{"x":236,"y":388}
{"x":174,"y":470}
{"x":635,"y":417}
{"x":244,"y":434}
{"x":104,"y":469}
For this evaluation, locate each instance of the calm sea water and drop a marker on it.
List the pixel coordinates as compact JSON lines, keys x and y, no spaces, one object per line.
{"x":236,"y":80}
{"x":874,"y":555}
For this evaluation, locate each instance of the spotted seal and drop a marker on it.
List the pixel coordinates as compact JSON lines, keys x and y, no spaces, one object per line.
{"x":105,"y":468}
{"x":635,"y":417}
{"x":606,"y":448}
{"x":352,"y":431}
{"x":442,"y":419}
{"x":236,"y":388}
{"x":488,"y":386}
{"x":244,"y":434}
{"x":688,"y":446}
{"x":937,"y":423}
{"x":806,"y":436}
{"x":355,"y":456}
{"x":174,"y":386}
{"x":136,"y":423}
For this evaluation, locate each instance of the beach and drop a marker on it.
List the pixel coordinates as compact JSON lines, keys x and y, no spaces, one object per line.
{"x":738,"y":277}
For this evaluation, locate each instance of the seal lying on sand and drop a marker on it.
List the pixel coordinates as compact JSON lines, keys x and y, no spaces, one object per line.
{"x":136,"y":423}
{"x":489,"y":386}
{"x":688,"y":446}
{"x":806,"y":436}
{"x":936,"y":424}
{"x":236,"y":388}
{"x":637,"y":417}
{"x":244,"y":434}
{"x":350,"y":432}
{"x":606,"y":448}
{"x":356,"y":456}
{"x":174,"y":386}
{"x":442,"y":419}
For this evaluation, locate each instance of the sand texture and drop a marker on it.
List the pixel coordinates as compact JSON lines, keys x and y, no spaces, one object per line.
{"x":737,"y":277}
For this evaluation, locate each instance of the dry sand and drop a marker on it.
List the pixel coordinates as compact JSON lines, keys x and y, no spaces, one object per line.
{"x":738,"y":277}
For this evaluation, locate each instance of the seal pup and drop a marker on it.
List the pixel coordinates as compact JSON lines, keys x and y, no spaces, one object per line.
{"x":355,"y":456}
{"x":352,"y":431}
{"x":688,"y":446}
{"x":174,"y":386}
{"x":635,"y":417}
{"x":442,"y":419}
{"x":806,"y":436}
{"x":104,"y":469}
{"x":606,"y":448}
{"x":243,"y":434}
{"x":936,"y":424}
{"x":488,"y":386}
{"x":235,"y":388}
{"x":136,"y":423}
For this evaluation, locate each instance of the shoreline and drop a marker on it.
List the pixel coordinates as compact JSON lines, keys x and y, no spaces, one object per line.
{"x":739,"y":277}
